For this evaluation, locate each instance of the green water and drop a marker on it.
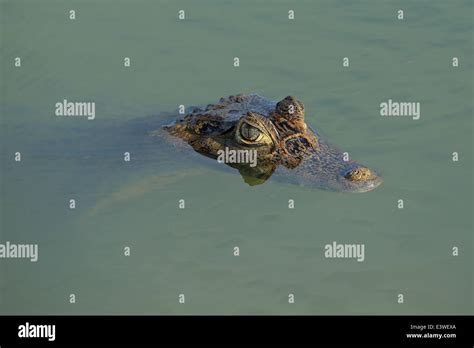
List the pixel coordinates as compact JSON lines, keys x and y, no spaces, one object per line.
{"x":190,"y":251}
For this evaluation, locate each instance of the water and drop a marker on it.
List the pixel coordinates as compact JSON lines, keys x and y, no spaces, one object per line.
{"x":190,"y":251}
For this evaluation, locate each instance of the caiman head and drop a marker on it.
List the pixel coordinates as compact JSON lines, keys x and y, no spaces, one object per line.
{"x":260,"y":137}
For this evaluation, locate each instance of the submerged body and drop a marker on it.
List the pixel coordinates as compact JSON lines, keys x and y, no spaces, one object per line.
{"x":266,"y":138}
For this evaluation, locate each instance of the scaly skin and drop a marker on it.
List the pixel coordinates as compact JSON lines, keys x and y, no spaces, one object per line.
{"x":286,"y":147}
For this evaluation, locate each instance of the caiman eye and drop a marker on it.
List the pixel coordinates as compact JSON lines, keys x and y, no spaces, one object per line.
{"x":249,"y":132}
{"x":253,"y":131}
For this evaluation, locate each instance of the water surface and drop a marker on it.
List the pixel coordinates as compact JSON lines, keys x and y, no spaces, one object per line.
{"x":190,"y":251}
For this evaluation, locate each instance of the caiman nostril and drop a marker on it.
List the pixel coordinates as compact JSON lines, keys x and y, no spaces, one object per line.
{"x":359,"y":174}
